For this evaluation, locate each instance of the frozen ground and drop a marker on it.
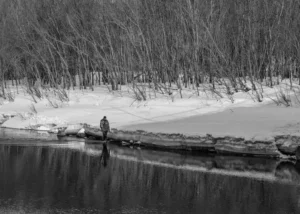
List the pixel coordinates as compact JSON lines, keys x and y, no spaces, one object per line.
{"x":192,"y":114}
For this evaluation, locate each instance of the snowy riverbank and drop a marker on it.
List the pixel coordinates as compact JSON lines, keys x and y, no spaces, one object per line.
{"x":121,"y":107}
{"x":238,"y":119}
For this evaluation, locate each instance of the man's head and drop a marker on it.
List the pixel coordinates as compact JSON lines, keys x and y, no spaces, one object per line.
{"x":104,"y":117}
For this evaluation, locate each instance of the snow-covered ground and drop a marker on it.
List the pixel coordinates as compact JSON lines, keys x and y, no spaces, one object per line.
{"x":260,"y":123}
{"x":122,"y":109}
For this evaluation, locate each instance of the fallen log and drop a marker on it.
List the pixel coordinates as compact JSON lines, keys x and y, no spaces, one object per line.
{"x":287,"y":144}
{"x":253,"y":147}
{"x":73,"y":129}
{"x":162,"y":141}
{"x":93,"y":132}
{"x":222,"y":145}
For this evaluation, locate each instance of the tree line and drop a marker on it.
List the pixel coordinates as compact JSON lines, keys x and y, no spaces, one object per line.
{"x":158,"y":42}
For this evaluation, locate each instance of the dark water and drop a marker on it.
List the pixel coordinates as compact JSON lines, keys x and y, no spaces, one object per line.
{"x":72,"y":178}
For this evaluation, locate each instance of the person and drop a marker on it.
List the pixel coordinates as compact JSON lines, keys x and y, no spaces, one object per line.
{"x":104,"y":126}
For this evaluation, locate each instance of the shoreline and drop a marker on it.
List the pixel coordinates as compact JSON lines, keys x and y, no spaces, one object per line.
{"x":280,"y":146}
{"x":267,"y":131}
{"x":261,"y":168}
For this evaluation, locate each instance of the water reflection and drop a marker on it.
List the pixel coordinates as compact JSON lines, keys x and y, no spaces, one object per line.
{"x":57,"y":180}
{"x":104,"y":155}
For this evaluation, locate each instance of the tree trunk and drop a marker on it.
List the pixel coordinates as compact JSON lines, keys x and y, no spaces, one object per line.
{"x":2,"y":77}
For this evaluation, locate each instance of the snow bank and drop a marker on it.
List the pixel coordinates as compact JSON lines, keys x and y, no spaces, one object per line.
{"x":121,"y":108}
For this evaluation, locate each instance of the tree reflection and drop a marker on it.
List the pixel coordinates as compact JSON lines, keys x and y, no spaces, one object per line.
{"x":61,"y":179}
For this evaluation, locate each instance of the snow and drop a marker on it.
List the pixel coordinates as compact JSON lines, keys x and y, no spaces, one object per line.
{"x":125,"y":112}
{"x":260,"y":123}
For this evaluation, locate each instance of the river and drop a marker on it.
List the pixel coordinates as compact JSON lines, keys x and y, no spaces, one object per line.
{"x":51,"y":176}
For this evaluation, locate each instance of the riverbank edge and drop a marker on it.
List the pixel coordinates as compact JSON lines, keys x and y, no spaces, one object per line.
{"x":279,"y":146}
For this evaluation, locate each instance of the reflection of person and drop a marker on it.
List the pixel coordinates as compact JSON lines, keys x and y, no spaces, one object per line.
{"x":104,"y":155}
{"x":104,"y":126}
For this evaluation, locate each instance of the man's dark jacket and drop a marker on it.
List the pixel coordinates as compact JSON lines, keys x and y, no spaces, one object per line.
{"x":104,"y":125}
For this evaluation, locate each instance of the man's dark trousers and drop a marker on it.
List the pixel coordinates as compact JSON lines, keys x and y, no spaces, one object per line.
{"x":104,"y":135}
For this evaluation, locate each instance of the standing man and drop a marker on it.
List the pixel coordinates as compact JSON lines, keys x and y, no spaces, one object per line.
{"x":104,"y":126}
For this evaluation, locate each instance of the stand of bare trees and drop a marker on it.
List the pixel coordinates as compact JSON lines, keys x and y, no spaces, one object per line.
{"x":159,"y":43}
